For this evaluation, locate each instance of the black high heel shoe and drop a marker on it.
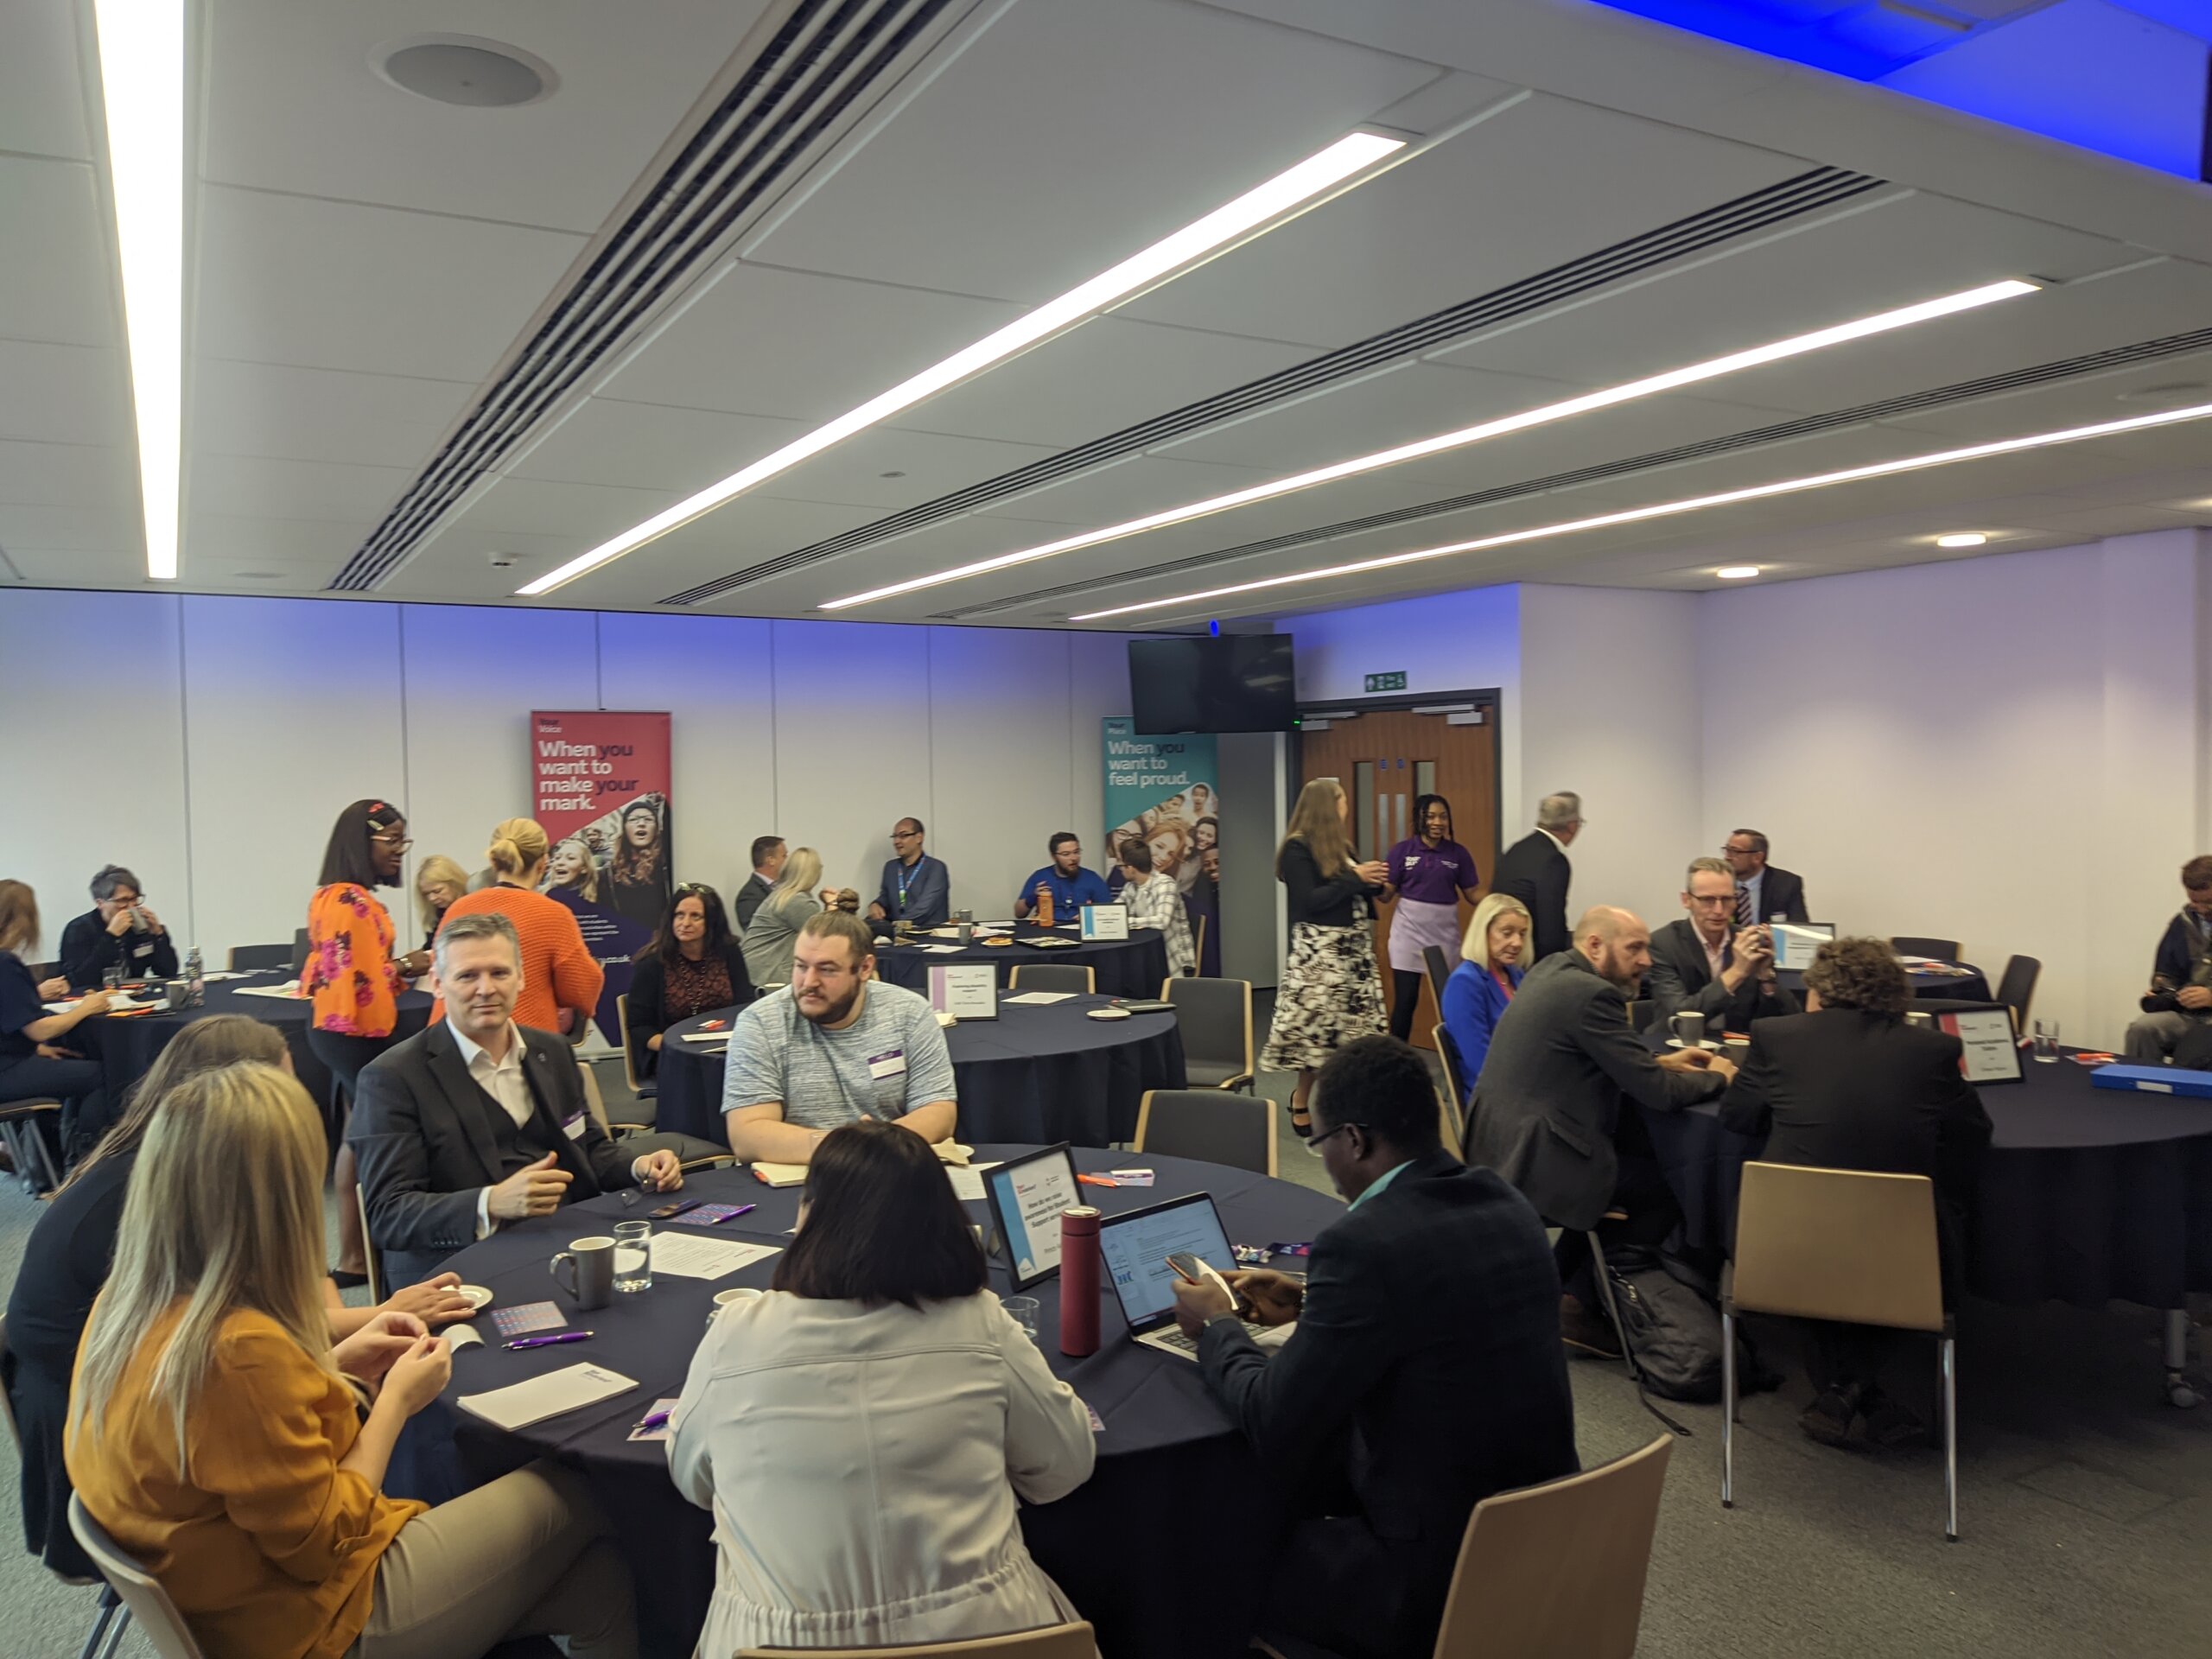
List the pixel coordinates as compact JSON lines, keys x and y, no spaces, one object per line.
{"x":1301,"y":1122}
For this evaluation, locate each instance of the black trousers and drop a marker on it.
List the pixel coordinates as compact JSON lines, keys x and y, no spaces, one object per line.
{"x":1649,"y":1208}
{"x":1405,"y":1002}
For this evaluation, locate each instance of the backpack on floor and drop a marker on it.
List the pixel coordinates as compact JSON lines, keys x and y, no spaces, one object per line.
{"x":1671,"y":1327}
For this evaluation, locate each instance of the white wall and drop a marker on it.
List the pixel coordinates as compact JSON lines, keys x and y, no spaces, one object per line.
{"x":215,"y":756}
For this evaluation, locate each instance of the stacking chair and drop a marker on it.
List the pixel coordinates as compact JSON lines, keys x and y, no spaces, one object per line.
{"x":26,"y":1142}
{"x":1209,"y":1125}
{"x":1216,"y":1017}
{"x":147,"y":1602}
{"x":644,"y":1088}
{"x":1642,"y":1013}
{"x":299,"y":951}
{"x":371,"y":1256}
{"x":1075,"y":976}
{"x":2017,"y":990}
{"x":1448,"y":1052}
{"x":1198,"y":941}
{"x":1940,"y":950}
{"x":1848,"y":1246}
{"x":1439,"y":969}
{"x":113,"y":1617}
{"x":1060,"y":1642}
{"x":1551,"y":1570}
{"x":247,"y":958}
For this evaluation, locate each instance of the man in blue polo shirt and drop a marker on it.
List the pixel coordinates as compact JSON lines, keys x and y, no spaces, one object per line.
{"x":1071,"y":884}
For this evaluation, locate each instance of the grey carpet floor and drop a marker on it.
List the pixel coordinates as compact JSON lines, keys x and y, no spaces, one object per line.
{"x":2085,"y":1507}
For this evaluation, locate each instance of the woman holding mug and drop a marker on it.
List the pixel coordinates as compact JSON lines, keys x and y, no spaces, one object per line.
{"x":1482,"y":987}
{"x":1330,"y":993}
{"x":1429,"y":873}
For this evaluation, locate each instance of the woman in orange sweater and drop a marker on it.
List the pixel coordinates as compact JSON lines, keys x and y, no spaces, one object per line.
{"x":560,"y":980}
{"x":213,"y":1434}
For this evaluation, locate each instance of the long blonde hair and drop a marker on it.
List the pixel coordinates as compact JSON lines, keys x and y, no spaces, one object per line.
{"x":517,"y":847}
{"x":1476,"y":946}
{"x":436,"y":868}
{"x":1318,"y":820}
{"x":587,"y":884}
{"x":207,"y":1044}
{"x":223,"y":1213}
{"x":802,"y":873}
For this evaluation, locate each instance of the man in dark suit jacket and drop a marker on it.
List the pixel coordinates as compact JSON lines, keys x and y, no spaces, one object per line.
{"x":768,"y":855}
{"x":1547,"y":1113}
{"x":1850,"y":1086}
{"x":1424,"y":1375}
{"x":1763,"y":891}
{"x":1535,"y":870}
{"x":1683,"y":974}
{"x":476,"y":1121}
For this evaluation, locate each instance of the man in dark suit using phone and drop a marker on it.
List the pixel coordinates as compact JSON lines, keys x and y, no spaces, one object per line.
{"x":1707,"y":964}
{"x":1535,"y":870}
{"x":477,"y":1121}
{"x":1424,"y":1375}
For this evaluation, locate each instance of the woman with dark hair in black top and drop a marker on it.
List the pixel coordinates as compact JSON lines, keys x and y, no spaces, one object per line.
{"x":695,"y":963}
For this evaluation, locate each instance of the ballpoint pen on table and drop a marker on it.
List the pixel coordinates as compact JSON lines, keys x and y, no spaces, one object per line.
{"x":547,"y":1342}
{"x":653,"y":1419}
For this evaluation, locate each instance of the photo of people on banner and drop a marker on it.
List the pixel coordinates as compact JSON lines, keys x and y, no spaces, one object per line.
{"x":602,"y":785}
{"x":1162,"y":792}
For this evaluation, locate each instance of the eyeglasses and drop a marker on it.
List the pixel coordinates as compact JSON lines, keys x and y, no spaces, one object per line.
{"x":401,"y":841}
{"x":1340,"y":1130}
{"x":906,"y":834}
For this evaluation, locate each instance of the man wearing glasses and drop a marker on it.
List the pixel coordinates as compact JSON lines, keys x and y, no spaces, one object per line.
{"x":917,"y":889}
{"x":1708,"y":964}
{"x":2179,"y":1000}
{"x":1763,"y":891}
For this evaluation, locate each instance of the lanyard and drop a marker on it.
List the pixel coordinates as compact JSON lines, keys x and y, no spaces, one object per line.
{"x":904,"y":879}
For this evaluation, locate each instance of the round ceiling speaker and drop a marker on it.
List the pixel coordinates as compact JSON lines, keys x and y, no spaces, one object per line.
{"x":468,"y":70}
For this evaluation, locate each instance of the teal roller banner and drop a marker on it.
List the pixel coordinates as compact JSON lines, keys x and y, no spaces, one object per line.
{"x":1165,"y":791}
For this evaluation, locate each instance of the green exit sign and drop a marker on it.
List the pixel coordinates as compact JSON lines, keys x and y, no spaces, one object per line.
{"x":1387,"y":682}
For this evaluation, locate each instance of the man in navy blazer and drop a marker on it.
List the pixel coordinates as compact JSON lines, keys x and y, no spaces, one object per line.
{"x":1425,"y":1372}
{"x":477,"y":1121}
{"x":1763,"y":891}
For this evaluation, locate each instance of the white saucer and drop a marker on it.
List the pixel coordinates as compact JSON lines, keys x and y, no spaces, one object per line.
{"x":1107,"y":1014}
{"x":1708,"y":1044}
{"x":479,"y":1298}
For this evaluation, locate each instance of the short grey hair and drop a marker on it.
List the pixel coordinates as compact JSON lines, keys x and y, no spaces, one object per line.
{"x":1554,"y":811}
{"x":1706,"y":866}
{"x":1758,"y":841}
{"x":112,"y":877}
{"x":477,"y":925}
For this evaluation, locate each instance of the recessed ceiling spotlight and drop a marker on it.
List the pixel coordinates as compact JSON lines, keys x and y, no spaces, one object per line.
{"x":1964,"y":538}
{"x":1736,"y":572}
{"x":465,"y":70}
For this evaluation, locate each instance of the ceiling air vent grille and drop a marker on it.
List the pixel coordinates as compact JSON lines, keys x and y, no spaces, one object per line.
{"x":827,"y":53}
{"x":1807,"y":193}
{"x":2119,"y":357}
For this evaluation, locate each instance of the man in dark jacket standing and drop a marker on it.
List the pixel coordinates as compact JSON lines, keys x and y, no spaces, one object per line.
{"x":1424,"y":1375}
{"x":1535,"y":870}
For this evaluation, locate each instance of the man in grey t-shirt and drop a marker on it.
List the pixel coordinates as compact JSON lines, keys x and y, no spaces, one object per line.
{"x":838,"y":1046}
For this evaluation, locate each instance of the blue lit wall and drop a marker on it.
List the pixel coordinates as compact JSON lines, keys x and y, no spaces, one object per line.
{"x":2127,"y":77}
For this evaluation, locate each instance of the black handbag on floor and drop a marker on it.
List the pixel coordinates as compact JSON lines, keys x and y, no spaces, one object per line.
{"x":1670,"y":1320}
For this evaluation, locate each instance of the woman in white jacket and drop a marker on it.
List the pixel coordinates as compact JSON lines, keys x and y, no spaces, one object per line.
{"x":861,"y":1433}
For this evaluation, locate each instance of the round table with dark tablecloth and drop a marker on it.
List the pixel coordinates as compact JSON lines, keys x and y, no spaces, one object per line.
{"x":2086,"y":1196}
{"x":1041,"y":1073}
{"x":1136,"y":966}
{"x":1174,"y":1482}
{"x":126,"y":1046}
{"x":1972,"y":985}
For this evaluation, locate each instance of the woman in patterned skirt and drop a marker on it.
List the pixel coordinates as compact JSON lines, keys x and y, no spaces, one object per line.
{"x":1331,"y":992}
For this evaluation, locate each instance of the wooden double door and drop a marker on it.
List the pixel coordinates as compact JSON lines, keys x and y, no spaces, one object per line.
{"x":1386,"y":759}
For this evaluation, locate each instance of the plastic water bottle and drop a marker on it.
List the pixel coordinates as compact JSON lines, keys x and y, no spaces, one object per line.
{"x":195,"y":977}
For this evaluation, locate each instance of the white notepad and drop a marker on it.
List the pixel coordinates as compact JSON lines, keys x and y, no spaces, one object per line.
{"x":1037,"y":999}
{"x":554,"y":1394}
{"x":686,"y":1255}
{"x":968,"y":1180}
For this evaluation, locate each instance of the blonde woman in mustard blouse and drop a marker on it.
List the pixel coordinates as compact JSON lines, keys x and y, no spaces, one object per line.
{"x":213,"y":1430}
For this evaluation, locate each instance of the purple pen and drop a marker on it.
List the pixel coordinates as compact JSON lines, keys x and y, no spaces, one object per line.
{"x":547,"y":1342}
{"x":653,"y":1419}
{"x":741,"y":1210}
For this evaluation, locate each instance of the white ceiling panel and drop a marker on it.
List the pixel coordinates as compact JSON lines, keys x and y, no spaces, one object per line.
{"x":1072,"y":134}
{"x":249,"y":487}
{"x":296,"y":103}
{"x":1129,"y":489}
{"x":333,"y":285}
{"x":75,"y":567}
{"x":62,"y":394}
{"x":270,"y":409}
{"x":1569,"y":178}
{"x":64,"y":475}
{"x":42,"y":89}
{"x":650,"y":446}
{"x":218,"y":542}
{"x":582,"y":513}
{"x":791,"y":344}
{"x":53,"y":273}
{"x":74,"y":530}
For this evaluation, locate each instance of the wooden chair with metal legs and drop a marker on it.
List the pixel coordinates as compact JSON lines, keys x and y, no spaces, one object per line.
{"x":1210,"y":1125}
{"x":164,"y":1627}
{"x":1056,"y":1641}
{"x":1447,"y":1054}
{"x":1552,"y":1570}
{"x":21,"y":1132}
{"x":1214,"y":1017}
{"x":113,"y":1617}
{"x":1847,"y":1246}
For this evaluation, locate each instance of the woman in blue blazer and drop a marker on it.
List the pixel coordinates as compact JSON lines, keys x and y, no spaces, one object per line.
{"x":1476,"y":995}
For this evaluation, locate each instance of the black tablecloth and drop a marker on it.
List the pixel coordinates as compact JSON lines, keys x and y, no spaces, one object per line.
{"x":1175,"y":1485}
{"x":1972,"y":986}
{"x":1035,"y":1073}
{"x":2087,"y":1195}
{"x":1136,"y":966}
{"x":127,"y":1045}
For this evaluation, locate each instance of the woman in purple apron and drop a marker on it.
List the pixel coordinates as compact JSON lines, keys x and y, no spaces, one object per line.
{"x":1427,"y":875}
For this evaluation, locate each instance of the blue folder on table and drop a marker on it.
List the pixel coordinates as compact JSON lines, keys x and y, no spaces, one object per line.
{"x":2154,"y":1080}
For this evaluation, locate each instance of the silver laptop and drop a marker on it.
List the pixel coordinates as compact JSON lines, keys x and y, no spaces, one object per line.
{"x":1134,"y":1249}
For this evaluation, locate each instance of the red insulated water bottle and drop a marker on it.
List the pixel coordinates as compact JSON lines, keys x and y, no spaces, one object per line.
{"x":1079,"y":1281}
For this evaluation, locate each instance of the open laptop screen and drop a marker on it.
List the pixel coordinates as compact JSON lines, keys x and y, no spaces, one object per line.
{"x":1135,"y":1248}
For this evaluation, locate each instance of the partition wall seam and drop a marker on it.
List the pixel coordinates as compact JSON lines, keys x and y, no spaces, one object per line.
{"x":184,"y":750}
{"x":406,"y":748}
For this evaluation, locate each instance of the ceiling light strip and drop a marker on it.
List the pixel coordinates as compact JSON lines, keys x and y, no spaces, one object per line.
{"x":1672,"y":509}
{"x":1298,"y":185}
{"x":1650,"y":386}
{"x":142,"y":85}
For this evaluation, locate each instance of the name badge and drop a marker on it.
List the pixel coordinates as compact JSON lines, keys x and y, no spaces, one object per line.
{"x":574,"y":1129}
{"x":893,"y":1065}
{"x":1412,"y":859}
{"x":144,"y":951}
